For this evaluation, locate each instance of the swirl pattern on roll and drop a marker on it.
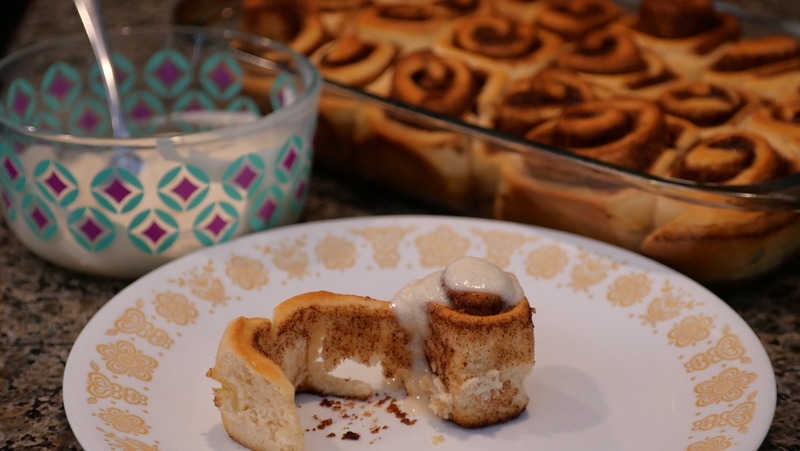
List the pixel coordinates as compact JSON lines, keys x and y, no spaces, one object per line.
{"x":441,"y":84}
{"x":532,"y":100}
{"x":573,"y":19}
{"x":293,"y":23}
{"x":626,"y":132}
{"x":707,"y":104}
{"x":731,"y":158}
{"x":355,"y":60}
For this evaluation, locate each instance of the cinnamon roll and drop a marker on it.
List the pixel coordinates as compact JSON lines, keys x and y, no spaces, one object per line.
{"x":685,"y":31}
{"x":613,"y":59}
{"x":769,"y":65}
{"x":411,"y":26}
{"x":499,"y":42}
{"x":708,"y":106}
{"x":528,"y":102}
{"x":405,"y":153}
{"x":627,"y":132}
{"x":573,"y":19}
{"x":711,"y":243}
{"x":359,"y":62}
{"x":296,"y":24}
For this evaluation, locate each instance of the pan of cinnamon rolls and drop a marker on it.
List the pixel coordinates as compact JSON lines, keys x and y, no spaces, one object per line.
{"x":662,"y":126}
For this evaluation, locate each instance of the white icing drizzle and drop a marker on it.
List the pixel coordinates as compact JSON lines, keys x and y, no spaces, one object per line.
{"x":464,"y":274}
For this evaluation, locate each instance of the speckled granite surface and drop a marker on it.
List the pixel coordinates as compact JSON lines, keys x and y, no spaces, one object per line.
{"x":43,"y":308}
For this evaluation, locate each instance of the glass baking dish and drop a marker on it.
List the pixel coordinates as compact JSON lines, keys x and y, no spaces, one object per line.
{"x":720,"y":234}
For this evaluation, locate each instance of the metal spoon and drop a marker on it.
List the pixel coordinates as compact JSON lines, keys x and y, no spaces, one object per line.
{"x":92,"y":21}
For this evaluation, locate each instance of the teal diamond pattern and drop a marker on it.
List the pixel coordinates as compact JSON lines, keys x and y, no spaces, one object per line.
{"x":12,"y":173}
{"x":244,"y":105}
{"x":221,"y":76}
{"x":89,"y":118}
{"x":153,"y":231}
{"x":55,"y":182}
{"x":124,"y":75}
{"x":268,"y":208}
{"x":38,"y":217}
{"x":91,"y":229}
{"x":20,"y":101}
{"x":61,"y":86}
{"x":168,"y":73}
{"x":244,"y":177}
{"x":142,"y":108}
{"x":215,"y":223}
{"x":288,"y":162}
{"x":183,"y":187}
{"x":117,"y":190}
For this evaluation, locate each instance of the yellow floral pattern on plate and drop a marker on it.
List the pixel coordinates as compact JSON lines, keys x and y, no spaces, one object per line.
{"x":720,"y":377}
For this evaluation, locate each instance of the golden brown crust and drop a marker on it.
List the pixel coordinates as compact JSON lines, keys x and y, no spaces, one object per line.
{"x":574,"y":19}
{"x":627,"y":132}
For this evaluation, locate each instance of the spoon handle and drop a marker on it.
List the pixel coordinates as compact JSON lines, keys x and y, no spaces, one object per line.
{"x":92,"y":21}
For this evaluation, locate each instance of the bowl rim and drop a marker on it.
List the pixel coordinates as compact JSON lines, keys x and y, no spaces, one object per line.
{"x":307,"y":99}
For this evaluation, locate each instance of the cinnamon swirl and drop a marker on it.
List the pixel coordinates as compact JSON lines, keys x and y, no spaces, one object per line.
{"x":528,"y":102}
{"x":710,"y":243}
{"x":573,"y":19}
{"x":431,"y":164}
{"x":495,"y":42}
{"x":627,"y":132}
{"x":708,"y":106}
{"x":613,"y":59}
{"x":769,"y":65}
{"x":360,"y":62}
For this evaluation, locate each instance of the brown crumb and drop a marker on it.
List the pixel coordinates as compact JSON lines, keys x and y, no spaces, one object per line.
{"x":402,"y":416}
{"x":325,"y":423}
{"x":326,"y":402}
{"x":331,"y":435}
{"x":350,"y":435}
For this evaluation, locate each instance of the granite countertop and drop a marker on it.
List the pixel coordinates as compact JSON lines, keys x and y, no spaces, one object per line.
{"x":43,"y":308}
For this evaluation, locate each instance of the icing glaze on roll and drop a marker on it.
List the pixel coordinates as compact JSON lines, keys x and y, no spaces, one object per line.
{"x":465,"y":275}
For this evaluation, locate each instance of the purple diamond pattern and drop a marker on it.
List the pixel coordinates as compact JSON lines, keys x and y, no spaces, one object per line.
{"x":267,"y":210}
{"x":88,"y":121}
{"x":91,"y":230}
{"x":155,"y":232}
{"x":39,"y":218}
{"x":291,"y":158}
{"x":141,"y":111}
{"x":168,"y":73}
{"x":217,"y":225}
{"x":20,"y":103}
{"x":117,"y":190}
{"x":222,"y":76}
{"x":11,"y":169}
{"x":245,"y":177}
{"x":60,"y":87}
{"x":55,"y":183}
{"x":185,"y":189}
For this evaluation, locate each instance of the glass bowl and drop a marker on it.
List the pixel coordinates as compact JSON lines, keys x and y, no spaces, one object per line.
{"x":222,"y":126}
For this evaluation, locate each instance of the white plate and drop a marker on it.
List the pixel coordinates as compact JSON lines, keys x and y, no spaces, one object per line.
{"x":630,"y":355}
